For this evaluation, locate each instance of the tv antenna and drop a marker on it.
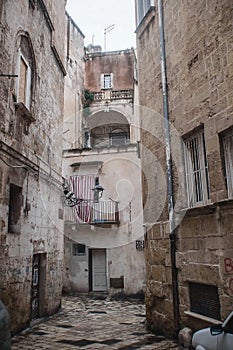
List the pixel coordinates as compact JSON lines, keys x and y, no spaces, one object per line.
{"x":107,"y":30}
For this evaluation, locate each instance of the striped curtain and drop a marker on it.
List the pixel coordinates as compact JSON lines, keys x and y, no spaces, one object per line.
{"x":82,"y":186}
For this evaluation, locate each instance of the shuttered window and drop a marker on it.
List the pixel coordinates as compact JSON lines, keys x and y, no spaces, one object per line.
{"x":196,"y":169}
{"x":142,"y":7}
{"x":228,"y":160}
{"x":204,"y":300}
{"x":106,"y":81}
{"x":24,"y":81}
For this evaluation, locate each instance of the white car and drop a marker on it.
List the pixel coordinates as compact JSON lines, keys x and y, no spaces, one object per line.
{"x":218,"y":337}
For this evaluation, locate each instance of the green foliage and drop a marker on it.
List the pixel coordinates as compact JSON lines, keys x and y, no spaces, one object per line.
{"x":88,"y":98}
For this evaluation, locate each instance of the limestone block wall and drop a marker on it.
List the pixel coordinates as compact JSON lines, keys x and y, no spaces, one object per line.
{"x":30,"y":157}
{"x":198,"y":39}
{"x":74,"y":85}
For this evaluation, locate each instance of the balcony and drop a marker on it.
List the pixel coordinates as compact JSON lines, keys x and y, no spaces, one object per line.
{"x":93,"y":213}
{"x":113,"y":95}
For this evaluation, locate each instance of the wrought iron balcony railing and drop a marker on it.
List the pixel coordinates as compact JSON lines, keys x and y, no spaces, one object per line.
{"x":93,"y":213}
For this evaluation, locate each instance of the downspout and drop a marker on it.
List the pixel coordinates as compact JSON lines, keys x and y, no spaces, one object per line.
{"x":170,"y":195}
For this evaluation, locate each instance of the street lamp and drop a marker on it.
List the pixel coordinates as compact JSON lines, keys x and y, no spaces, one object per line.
{"x":71,"y":200}
{"x":98,"y":192}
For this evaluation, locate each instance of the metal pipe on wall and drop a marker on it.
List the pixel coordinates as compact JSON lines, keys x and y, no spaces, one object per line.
{"x":170,"y":194}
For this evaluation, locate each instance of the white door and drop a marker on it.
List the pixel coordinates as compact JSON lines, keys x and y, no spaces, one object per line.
{"x":99,"y":280}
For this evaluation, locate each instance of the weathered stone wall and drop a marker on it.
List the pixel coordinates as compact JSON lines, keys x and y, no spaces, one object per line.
{"x":73,"y":98}
{"x":198,"y":39}
{"x":30,"y":157}
{"x":120,"y":63}
{"x":74,"y":85}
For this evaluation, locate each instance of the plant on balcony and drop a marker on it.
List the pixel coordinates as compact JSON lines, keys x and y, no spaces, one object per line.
{"x":88,"y":98}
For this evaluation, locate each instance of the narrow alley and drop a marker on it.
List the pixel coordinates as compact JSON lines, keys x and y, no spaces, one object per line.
{"x":93,"y":323}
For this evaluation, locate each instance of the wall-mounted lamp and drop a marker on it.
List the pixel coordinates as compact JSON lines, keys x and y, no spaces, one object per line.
{"x":98,"y":192}
{"x":71,"y":200}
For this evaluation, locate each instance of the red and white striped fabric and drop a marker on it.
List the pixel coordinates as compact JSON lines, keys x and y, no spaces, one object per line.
{"x":82,"y":186}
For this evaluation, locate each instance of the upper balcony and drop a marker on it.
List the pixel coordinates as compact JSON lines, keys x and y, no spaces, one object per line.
{"x":112,"y":95}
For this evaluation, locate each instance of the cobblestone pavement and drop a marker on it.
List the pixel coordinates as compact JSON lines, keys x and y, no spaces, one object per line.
{"x":93,"y":323}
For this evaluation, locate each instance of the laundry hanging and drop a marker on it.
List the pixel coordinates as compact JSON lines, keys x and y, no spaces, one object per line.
{"x":82,"y":186}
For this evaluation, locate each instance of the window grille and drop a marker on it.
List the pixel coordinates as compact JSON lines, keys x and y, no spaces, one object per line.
{"x":117,"y":139}
{"x":196,"y":170}
{"x":204,"y":300}
{"x":228,"y":160}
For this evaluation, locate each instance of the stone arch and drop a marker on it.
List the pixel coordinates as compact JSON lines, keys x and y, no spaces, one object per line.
{"x":102,"y":125}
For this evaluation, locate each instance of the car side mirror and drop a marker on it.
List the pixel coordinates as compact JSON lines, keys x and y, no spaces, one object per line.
{"x":216,"y":329}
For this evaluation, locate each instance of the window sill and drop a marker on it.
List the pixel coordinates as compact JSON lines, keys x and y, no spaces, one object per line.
{"x":202,"y":318}
{"x":24,"y":112}
{"x":208,"y":208}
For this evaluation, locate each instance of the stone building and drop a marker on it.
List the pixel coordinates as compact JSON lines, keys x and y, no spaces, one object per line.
{"x":189,"y":257}
{"x":31,"y":111}
{"x":103,"y":236}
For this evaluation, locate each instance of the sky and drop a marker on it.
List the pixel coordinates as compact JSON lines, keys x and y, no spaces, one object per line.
{"x":94,"y":16}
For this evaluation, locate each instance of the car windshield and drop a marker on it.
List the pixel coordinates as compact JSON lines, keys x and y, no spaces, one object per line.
{"x":229,"y":326}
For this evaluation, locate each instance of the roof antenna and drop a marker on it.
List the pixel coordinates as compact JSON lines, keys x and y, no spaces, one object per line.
{"x":106,"y":30}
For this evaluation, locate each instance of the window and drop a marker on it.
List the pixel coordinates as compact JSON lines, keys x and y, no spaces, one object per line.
{"x":24,"y":81}
{"x":15,"y":204}
{"x":227,"y":142}
{"x":204,"y":300}
{"x":79,"y":249}
{"x":196,"y":169}
{"x":106,"y":81}
{"x":24,"y":68}
{"x":142,"y":7}
{"x":118,"y":138}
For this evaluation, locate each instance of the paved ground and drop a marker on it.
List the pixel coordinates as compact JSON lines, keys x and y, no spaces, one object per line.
{"x":93,"y":323}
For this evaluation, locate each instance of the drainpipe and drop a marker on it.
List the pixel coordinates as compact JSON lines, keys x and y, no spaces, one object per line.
{"x":172,"y":236}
